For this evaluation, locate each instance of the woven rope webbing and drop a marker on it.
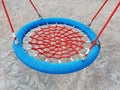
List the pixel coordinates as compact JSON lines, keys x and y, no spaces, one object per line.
{"x":58,"y":41}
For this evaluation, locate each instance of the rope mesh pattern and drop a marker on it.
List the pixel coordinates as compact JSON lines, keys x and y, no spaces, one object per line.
{"x":57,"y":41}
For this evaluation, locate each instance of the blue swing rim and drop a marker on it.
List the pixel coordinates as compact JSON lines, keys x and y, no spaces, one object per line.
{"x":55,"y":68}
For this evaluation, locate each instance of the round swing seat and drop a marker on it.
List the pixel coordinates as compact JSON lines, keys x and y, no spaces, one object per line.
{"x":54,"y":68}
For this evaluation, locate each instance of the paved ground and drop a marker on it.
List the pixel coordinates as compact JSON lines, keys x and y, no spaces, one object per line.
{"x":103,"y":74}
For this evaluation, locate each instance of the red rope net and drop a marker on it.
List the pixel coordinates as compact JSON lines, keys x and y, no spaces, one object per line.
{"x":57,"y":41}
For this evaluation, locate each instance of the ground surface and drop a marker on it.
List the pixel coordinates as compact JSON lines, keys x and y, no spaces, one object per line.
{"x":103,"y":74}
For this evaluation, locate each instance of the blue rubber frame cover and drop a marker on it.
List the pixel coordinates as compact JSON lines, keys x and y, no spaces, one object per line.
{"x":54,"y":68}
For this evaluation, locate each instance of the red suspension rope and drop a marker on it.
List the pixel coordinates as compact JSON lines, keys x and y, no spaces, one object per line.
{"x":9,"y":21}
{"x":7,"y":15}
{"x":103,"y":28}
{"x":35,"y":9}
{"x":96,"y":14}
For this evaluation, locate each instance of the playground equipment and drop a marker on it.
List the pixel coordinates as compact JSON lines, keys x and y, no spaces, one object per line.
{"x":57,"y":45}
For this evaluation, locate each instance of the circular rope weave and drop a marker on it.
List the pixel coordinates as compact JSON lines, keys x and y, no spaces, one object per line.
{"x":57,"y":41}
{"x":55,"y":45}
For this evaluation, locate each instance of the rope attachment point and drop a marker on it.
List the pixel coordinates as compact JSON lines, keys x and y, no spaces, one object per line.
{"x":15,"y":38}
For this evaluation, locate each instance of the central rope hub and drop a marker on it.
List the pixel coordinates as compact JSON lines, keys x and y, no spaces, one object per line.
{"x":57,"y":41}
